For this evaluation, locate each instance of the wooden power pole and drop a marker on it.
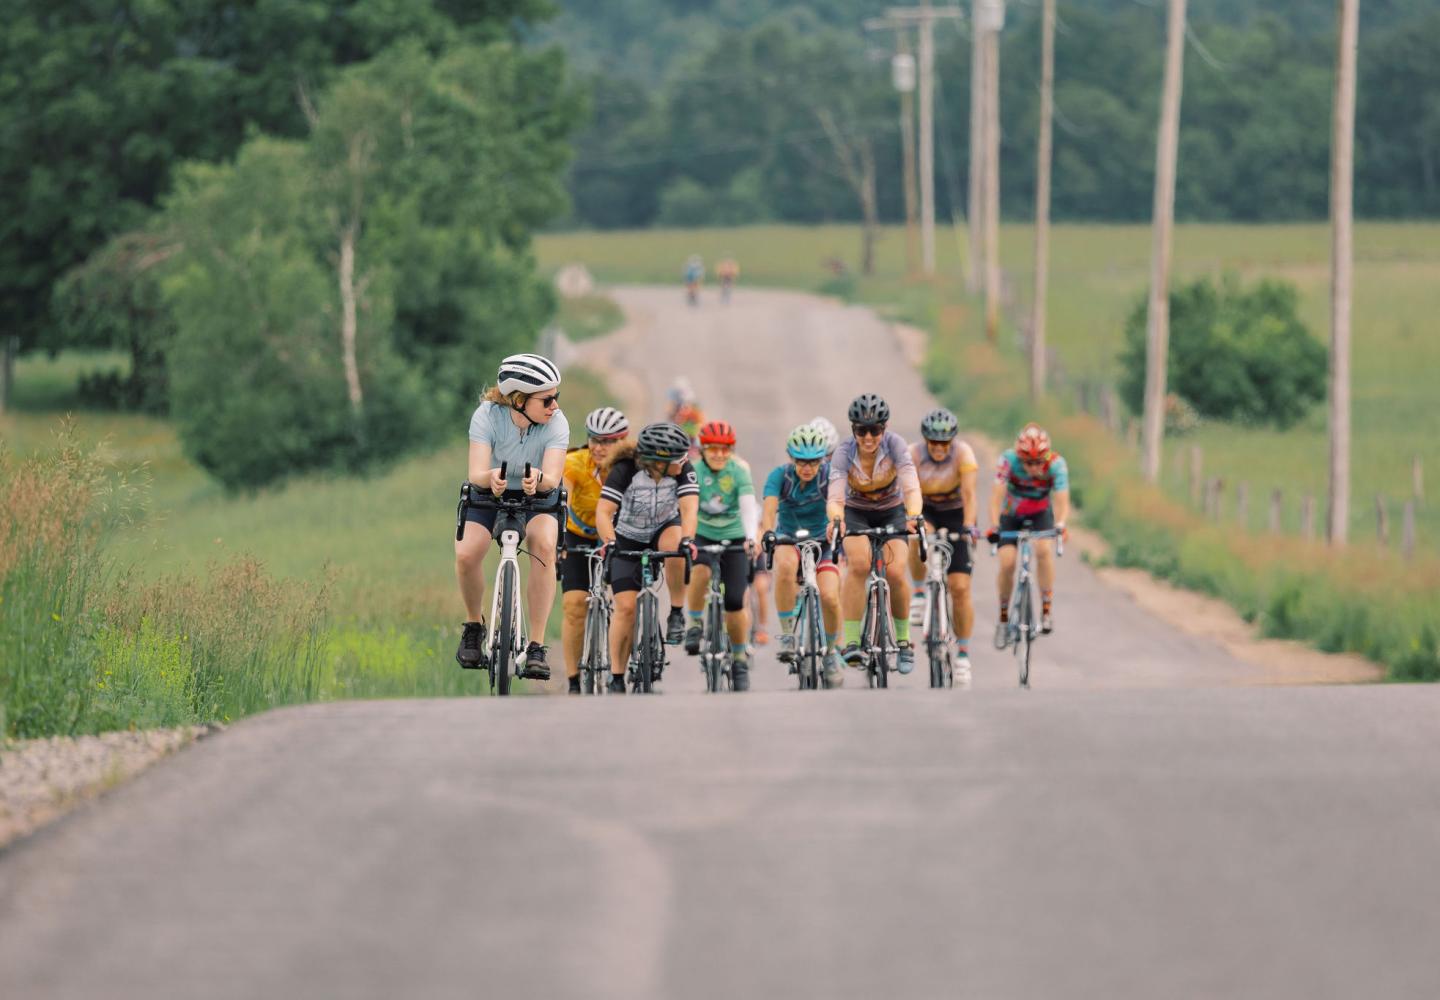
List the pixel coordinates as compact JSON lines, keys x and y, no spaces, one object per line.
{"x":1342,"y":175}
{"x":977,"y":149}
{"x":1042,"y":201}
{"x":993,"y":14}
{"x":1158,"y":312}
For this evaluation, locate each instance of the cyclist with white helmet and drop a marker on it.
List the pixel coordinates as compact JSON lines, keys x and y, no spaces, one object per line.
{"x":518,"y":423}
{"x":830,"y":433}
{"x":873,"y":484}
{"x":650,"y":500}
{"x":948,"y":471}
{"x":795,"y":500}
{"x":585,"y":470}
{"x":1031,"y":491}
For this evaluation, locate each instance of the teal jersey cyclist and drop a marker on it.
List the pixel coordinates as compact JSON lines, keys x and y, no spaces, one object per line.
{"x":1031,"y":491}
{"x":728,"y":514}
{"x":795,"y":501}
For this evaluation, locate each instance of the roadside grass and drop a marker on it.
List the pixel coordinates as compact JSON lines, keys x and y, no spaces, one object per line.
{"x":1097,"y":274}
{"x":134,"y":592}
{"x":585,"y":317}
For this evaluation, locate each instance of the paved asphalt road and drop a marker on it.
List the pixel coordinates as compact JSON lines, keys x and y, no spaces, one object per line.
{"x":1137,"y":825}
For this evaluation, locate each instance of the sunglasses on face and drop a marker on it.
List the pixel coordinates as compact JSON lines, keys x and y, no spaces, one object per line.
{"x":547,"y":401}
{"x":867,"y":430}
{"x":807,"y":463}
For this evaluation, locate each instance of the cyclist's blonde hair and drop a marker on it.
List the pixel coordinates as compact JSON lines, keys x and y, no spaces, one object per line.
{"x":492,"y":394}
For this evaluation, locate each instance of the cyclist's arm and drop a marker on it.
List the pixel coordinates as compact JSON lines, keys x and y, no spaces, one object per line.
{"x":605,"y":511}
{"x":969,"y":495}
{"x":689,"y":515}
{"x":479,"y":465}
{"x":997,"y":501}
{"x":552,"y":468}
{"x":910,"y":487}
{"x":1060,"y":500}
{"x":770,"y":516}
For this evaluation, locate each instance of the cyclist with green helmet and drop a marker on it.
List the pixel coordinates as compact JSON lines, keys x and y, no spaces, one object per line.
{"x":948,"y":473}
{"x":794,"y":501}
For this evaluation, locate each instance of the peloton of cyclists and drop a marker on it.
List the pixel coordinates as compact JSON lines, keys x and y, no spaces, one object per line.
{"x":1031,"y":492}
{"x":947,"y":471}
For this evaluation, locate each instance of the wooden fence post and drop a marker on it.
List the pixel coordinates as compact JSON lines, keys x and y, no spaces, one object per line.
{"x":1307,"y":518}
{"x":1407,"y":536}
{"x":1197,"y":468}
{"x":1277,"y":501}
{"x":1382,"y":520}
{"x":1242,"y":504}
{"x":1417,"y":479}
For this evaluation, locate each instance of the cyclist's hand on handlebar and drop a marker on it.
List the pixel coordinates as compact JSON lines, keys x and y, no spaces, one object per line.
{"x":531,"y":483}
{"x":497,"y":482}
{"x":687,"y":545}
{"x":767,"y":541}
{"x":835,"y":531}
{"x":603,"y":550}
{"x":993,"y":535}
{"x":752,"y":549}
{"x":1064,"y":531}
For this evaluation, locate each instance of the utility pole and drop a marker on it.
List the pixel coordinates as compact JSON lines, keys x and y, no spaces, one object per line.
{"x":977,"y":147}
{"x":1342,"y":178}
{"x":925,"y":17}
{"x":902,"y":74}
{"x":991,"y":23}
{"x":1157,"y":348}
{"x":1042,"y":201}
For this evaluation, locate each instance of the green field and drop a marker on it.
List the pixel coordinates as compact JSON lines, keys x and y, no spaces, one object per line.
{"x":1097,"y":274}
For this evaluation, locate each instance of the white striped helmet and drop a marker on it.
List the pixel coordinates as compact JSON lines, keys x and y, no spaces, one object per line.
{"x":606,"y":422}
{"x":527,"y":373}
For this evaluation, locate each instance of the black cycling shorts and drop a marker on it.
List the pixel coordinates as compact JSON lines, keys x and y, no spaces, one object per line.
{"x":734,"y":570}
{"x":485,"y":516}
{"x":954,"y":522}
{"x":575,"y":569}
{"x":625,"y":570}
{"x":1043,"y":521}
{"x":857,"y":519}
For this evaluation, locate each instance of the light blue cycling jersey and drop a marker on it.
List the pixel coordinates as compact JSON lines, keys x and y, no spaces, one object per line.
{"x":491,"y":424}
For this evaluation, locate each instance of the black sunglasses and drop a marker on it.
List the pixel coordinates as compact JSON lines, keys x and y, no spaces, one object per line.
{"x":867,"y":430}
{"x":548,"y":401}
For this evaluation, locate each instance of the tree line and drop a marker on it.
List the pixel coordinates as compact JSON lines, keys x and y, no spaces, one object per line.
{"x":729,"y":134}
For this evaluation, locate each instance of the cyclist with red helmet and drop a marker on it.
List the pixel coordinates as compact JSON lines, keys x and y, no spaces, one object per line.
{"x":1031,"y":492}
{"x":728,"y":513}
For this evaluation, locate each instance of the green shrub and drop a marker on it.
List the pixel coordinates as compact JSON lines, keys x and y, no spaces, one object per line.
{"x":1235,"y":353}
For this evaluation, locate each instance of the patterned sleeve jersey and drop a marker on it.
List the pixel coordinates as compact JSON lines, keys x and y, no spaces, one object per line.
{"x":802,"y":505}
{"x":885,"y":486}
{"x":646,"y":504}
{"x":720,"y":494}
{"x":1025,"y":494}
{"x":940,"y":481}
{"x":582,"y":484}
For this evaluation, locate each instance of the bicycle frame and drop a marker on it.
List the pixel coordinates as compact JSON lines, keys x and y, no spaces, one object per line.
{"x":877,"y":630}
{"x":715,"y":640}
{"x":595,"y":647}
{"x":809,"y":621}
{"x":937,"y":623}
{"x":1024,"y":629}
{"x":648,"y":651}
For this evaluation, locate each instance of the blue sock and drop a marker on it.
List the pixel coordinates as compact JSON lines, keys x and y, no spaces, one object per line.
{"x":695,"y":616}
{"x":737,"y":649}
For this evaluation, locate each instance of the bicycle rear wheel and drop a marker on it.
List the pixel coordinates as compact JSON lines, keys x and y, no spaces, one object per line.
{"x":504,"y":633}
{"x":645,"y":672}
{"x":1022,"y":643}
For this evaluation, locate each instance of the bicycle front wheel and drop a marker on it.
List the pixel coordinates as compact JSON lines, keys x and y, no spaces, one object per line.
{"x":504,"y":633}
{"x":646,"y":680}
{"x":1026,"y":626}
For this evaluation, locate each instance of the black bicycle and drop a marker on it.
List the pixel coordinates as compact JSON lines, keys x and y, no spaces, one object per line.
{"x":714,"y":639}
{"x":647,"y":657}
{"x":877,"y":630}
{"x":508,"y":639}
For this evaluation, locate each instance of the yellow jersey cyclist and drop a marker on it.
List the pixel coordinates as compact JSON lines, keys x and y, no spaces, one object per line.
{"x":873,"y":484}
{"x":585,"y":470}
{"x":518,"y":423}
{"x":795,"y":500}
{"x":650,"y":500}
{"x":948,"y":472}
{"x":728,"y":513}
{"x":1031,"y":492}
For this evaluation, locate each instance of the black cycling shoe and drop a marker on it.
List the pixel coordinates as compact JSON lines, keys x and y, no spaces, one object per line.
{"x":617,"y":684}
{"x":471,"y":654}
{"x":740,"y":672}
{"x":575,"y":685}
{"x":675,"y":628}
{"x":692,"y":640}
{"x":535,"y":668}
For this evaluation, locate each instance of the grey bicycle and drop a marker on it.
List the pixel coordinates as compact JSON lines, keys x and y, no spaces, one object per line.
{"x":595,"y":647}
{"x":877,"y":629}
{"x":808,"y":659}
{"x":1023,"y":625}
{"x":647,"y":656}
{"x":937,"y":623}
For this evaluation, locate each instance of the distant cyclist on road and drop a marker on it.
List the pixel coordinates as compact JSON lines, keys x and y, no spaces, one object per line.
{"x":873,"y":484}
{"x":728,"y":513}
{"x":650,"y":500}
{"x":518,"y":422}
{"x":1031,"y":492}
{"x":585,"y":470}
{"x":727,"y":272}
{"x":795,"y":500}
{"x":694,"y":276}
{"x":683,"y":409}
{"x":948,"y":472}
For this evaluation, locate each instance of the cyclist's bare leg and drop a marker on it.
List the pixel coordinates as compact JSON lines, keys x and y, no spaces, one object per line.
{"x":1005,"y":579}
{"x":786,"y":563}
{"x":622,"y":628}
{"x":699,"y":584}
{"x":737,"y":626}
{"x":829,"y":583}
{"x":572,"y":628}
{"x":962,"y":613}
{"x":762,"y":598}
{"x":470,"y":569}
{"x":857,"y":569}
{"x":917,"y":568}
{"x":674,"y":569}
{"x":898,"y":575}
{"x":540,"y":537}
{"x":1045,"y":563}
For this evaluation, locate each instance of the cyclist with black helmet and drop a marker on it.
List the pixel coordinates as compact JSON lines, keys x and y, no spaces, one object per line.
{"x":1031,"y":492}
{"x":795,"y":500}
{"x":728,"y":513}
{"x":873,"y":484}
{"x":948,"y":471}
{"x":585,"y":469}
{"x":650,"y":500}
{"x":517,"y":424}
